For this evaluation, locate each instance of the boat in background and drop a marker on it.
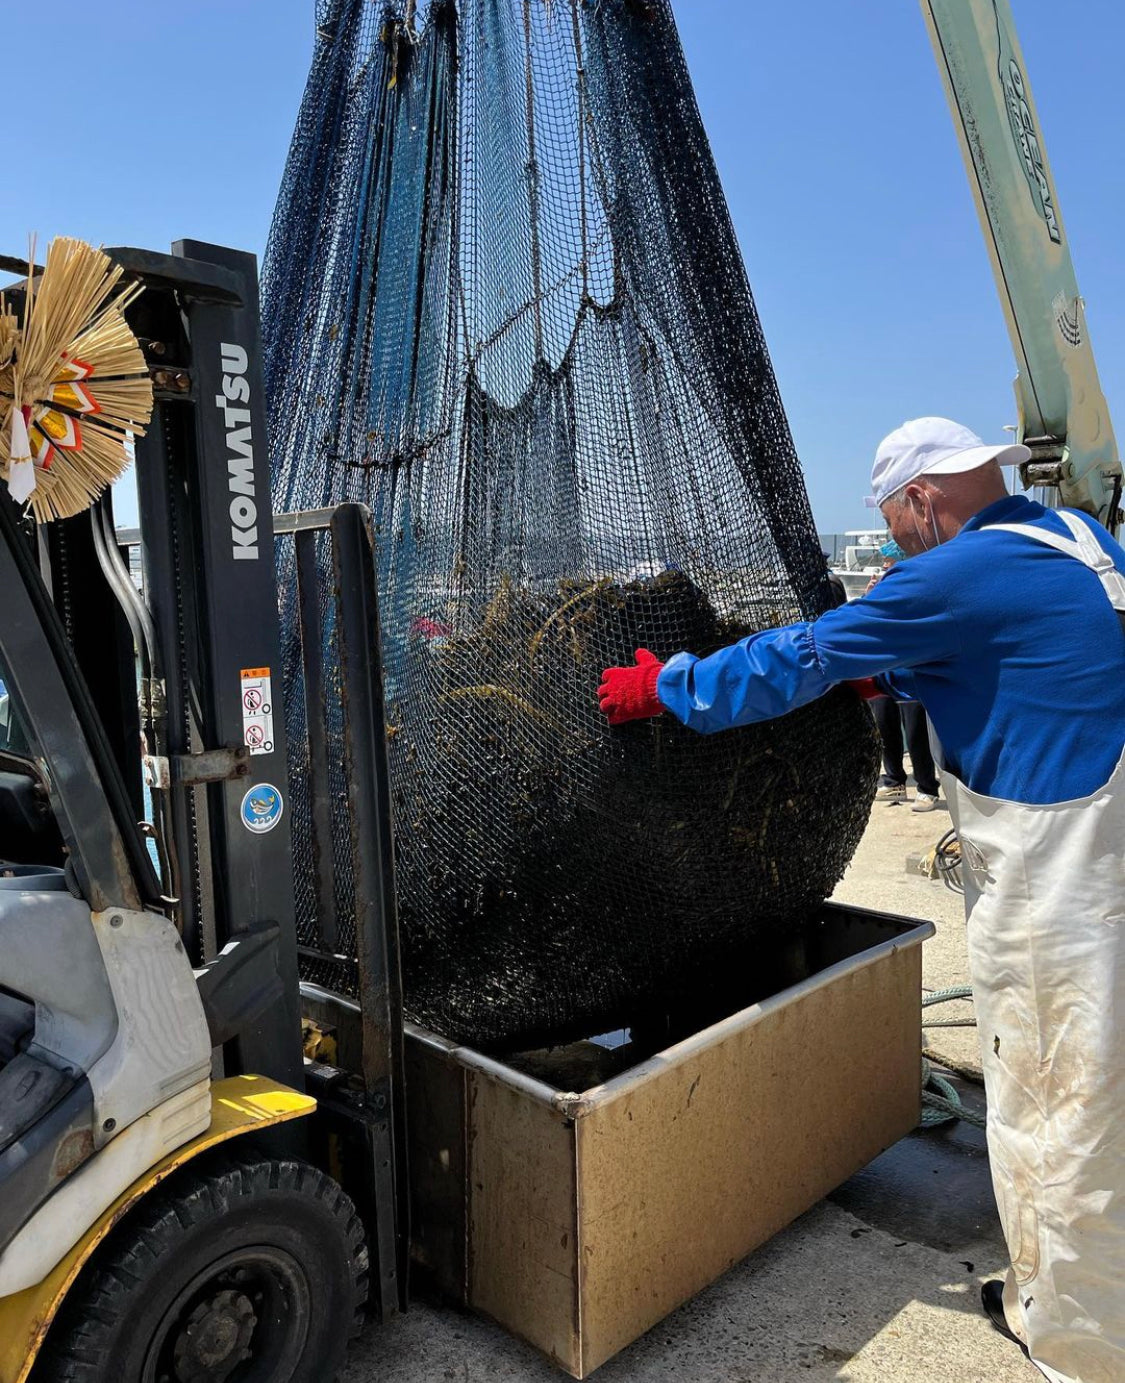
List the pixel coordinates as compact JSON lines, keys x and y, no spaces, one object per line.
{"x":862,"y":559}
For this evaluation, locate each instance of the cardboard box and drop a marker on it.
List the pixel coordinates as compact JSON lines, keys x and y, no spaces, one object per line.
{"x":577,"y":1220}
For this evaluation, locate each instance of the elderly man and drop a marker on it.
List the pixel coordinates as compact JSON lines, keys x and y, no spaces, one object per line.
{"x":1008,"y":624}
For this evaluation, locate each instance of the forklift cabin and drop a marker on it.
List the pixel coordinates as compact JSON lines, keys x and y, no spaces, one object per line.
{"x":171,"y":839}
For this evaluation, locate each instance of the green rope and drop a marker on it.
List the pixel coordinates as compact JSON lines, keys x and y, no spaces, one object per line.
{"x":941,"y":1104}
{"x":945,"y":996}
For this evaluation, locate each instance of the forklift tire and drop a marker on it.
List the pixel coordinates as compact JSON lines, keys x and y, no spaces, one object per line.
{"x":243,"y":1269}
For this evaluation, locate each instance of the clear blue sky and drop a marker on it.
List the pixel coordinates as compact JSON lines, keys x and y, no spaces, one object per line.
{"x":829,"y":126}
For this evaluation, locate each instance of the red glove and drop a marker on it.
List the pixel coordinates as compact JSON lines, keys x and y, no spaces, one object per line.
{"x":430,"y":628}
{"x":629,"y":693}
{"x":866,"y":689}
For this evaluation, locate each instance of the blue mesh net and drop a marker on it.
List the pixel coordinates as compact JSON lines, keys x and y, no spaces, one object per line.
{"x":504,"y":306}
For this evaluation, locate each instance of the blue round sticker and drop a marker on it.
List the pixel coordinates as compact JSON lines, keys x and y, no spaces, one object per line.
{"x":261,"y":808}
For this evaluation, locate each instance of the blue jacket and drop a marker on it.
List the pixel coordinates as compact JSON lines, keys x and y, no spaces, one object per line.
{"x":1011,"y":646}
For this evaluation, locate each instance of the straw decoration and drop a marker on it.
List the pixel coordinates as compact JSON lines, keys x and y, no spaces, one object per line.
{"x":75,"y":386}
{"x":9,"y":331}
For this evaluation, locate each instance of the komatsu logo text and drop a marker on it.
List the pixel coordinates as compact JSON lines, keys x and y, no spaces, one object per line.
{"x":1023,"y":128}
{"x":234,"y":401}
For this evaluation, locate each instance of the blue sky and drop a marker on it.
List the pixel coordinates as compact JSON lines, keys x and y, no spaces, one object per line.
{"x":828,"y":123}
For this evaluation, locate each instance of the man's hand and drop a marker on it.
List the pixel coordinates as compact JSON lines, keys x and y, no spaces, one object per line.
{"x":629,"y":693}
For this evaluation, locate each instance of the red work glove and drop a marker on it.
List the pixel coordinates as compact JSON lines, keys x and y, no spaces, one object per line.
{"x":430,"y":628}
{"x":629,"y":693}
{"x":866,"y":689}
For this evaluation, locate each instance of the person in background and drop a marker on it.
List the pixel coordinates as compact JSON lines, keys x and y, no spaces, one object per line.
{"x":1008,"y":624}
{"x":894,"y":718}
{"x":837,"y":592}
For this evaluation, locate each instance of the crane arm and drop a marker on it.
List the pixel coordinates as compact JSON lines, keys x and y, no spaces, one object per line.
{"x":1063,"y":416}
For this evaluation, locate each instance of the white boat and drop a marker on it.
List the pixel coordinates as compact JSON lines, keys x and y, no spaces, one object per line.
{"x":862,"y":559}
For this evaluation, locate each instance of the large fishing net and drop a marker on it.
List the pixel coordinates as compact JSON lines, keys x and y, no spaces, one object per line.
{"x":504,"y":306}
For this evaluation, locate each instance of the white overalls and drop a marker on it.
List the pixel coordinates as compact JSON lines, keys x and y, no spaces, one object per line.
{"x":1045,"y":908}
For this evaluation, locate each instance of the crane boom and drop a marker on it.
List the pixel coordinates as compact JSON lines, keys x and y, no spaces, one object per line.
{"x":1063,"y":416}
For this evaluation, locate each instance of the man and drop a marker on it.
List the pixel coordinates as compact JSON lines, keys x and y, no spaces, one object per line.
{"x":902,"y":725}
{"x":1005,"y":623}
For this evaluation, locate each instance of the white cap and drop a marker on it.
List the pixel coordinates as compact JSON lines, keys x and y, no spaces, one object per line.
{"x":932,"y":446}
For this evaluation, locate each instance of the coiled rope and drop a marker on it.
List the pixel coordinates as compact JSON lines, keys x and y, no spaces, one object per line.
{"x":941,"y":1104}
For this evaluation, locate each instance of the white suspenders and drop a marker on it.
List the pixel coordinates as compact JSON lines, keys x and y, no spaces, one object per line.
{"x":1082,"y":545}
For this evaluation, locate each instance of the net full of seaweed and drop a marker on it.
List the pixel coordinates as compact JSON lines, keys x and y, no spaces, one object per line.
{"x":504,"y":306}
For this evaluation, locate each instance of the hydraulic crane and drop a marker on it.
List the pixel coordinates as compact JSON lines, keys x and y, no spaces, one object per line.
{"x":1063,"y":417}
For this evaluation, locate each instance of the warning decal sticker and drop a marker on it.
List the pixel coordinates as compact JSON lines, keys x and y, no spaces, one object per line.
{"x":257,"y":710}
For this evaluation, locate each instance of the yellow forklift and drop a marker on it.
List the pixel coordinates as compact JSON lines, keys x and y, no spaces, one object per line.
{"x":185,"y":1197}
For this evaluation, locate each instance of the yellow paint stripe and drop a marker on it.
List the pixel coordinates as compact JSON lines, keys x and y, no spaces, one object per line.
{"x":238,"y":1104}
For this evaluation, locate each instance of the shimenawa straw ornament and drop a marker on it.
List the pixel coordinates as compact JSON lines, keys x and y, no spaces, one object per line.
{"x":74,"y":386}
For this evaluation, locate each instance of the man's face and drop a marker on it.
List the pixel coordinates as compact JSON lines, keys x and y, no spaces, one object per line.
{"x":897,"y":515}
{"x":915,"y":517}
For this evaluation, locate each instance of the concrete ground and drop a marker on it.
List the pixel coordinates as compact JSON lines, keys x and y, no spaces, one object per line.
{"x":879,"y":1283}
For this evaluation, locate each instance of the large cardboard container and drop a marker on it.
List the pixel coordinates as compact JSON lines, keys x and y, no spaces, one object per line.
{"x":579,"y":1218}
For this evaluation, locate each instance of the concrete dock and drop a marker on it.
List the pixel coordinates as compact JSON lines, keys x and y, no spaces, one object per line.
{"x":879,"y":1283}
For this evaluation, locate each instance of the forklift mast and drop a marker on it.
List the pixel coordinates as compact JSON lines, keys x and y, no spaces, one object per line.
{"x":164,"y":714}
{"x":207,"y":554}
{"x":206,"y":634}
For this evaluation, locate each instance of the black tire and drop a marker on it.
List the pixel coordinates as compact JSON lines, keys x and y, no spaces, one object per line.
{"x":241,"y":1270}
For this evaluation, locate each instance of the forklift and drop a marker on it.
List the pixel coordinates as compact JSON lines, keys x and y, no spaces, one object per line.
{"x":196,"y":1184}
{"x":192,"y":1196}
